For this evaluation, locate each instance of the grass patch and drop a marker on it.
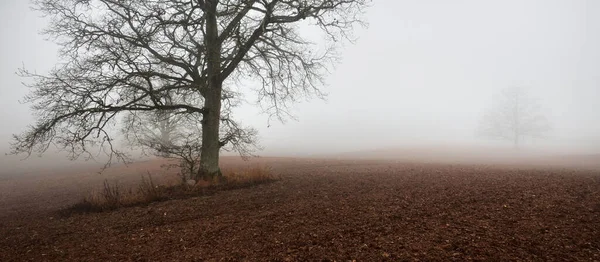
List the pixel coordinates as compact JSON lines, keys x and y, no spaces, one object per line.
{"x":114,"y":196}
{"x":248,"y":175}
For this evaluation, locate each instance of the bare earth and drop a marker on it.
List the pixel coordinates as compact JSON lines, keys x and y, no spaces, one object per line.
{"x":326,"y":210}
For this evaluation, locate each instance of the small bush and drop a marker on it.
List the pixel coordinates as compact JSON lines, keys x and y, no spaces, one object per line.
{"x":111,"y":195}
{"x":148,"y":191}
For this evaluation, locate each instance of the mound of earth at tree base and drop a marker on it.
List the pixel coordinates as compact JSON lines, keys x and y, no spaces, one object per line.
{"x":343,"y":211}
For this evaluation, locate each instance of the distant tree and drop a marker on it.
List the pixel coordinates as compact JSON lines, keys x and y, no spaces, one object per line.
{"x":156,"y":130}
{"x":122,"y":56}
{"x":167,"y":134}
{"x":513,"y":116}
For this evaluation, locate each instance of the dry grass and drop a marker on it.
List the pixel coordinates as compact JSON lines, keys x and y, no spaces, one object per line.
{"x":113,"y":196}
{"x":248,"y":175}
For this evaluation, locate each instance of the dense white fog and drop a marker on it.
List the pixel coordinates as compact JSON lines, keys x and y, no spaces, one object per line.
{"x":422,"y":73}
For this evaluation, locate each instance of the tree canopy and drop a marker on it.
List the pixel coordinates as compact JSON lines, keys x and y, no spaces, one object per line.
{"x":125,"y":56}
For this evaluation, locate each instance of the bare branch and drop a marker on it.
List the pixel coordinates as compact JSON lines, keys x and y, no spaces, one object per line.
{"x":123,"y":58}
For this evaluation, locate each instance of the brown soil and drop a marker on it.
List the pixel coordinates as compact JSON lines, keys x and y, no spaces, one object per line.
{"x":327,"y":210}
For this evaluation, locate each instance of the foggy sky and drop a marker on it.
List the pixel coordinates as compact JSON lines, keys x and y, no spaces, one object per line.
{"x":422,"y":72}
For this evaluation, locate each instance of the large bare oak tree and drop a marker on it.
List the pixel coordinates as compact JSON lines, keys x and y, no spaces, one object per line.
{"x":123,"y":56}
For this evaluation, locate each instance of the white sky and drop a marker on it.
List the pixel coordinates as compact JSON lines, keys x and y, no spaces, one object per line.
{"x":423,"y":71}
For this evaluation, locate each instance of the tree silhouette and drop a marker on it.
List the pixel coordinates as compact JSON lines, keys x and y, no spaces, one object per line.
{"x":513,"y":116}
{"x":124,"y":56}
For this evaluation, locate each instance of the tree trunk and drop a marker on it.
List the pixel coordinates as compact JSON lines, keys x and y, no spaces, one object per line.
{"x":165,"y":132}
{"x":209,"y":155}
{"x":517,"y":121}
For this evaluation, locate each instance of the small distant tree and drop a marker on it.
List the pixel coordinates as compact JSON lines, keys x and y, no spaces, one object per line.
{"x":514,"y":116}
{"x":155,"y":130}
{"x":171,"y":134}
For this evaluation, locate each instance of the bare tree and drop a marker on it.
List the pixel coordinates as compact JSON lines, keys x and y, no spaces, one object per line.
{"x":123,"y":56}
{"x":182,"y":141}
{"x":169,"y":135}
{"x":514,"y":116}
{"x":155,"y":130}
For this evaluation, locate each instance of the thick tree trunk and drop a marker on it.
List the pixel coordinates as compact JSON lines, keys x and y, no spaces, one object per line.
{"x":209,"y":159}
{"x":209,"y":155}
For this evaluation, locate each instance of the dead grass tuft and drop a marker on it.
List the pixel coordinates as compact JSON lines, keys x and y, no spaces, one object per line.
{"x":113,"y":196}
{"x":249,"y":175}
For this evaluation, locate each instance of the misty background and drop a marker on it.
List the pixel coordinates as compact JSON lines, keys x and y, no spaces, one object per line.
{"x":422,"y":74}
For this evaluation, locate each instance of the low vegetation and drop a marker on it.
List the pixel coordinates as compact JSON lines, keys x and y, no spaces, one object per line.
{"x":342,"y":210}
{"x":113,"y":195}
